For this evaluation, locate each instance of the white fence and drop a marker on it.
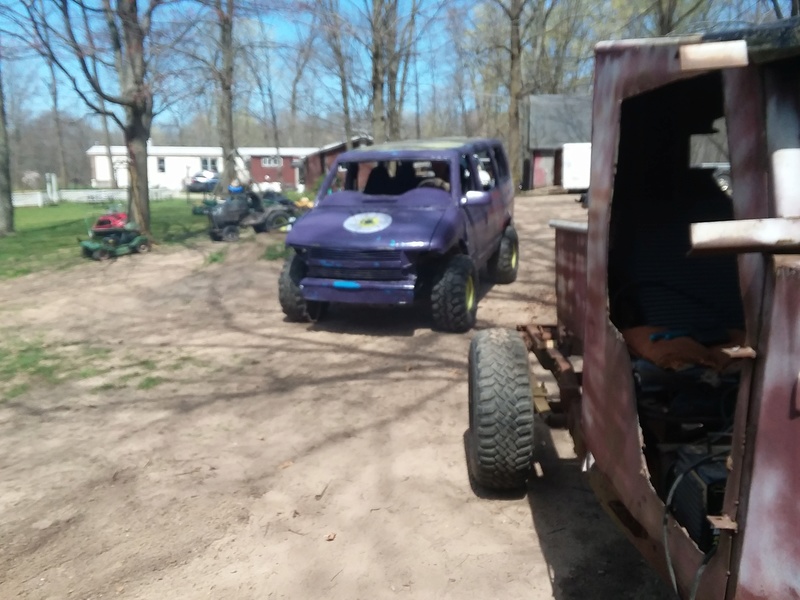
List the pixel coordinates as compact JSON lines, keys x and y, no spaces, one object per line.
{"x":19,"y":199}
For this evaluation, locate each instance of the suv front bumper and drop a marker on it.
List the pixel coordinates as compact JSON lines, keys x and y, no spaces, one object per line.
{"x":358,"y":292}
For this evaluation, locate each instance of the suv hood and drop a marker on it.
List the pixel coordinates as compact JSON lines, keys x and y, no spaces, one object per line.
{"x":374,"y":224}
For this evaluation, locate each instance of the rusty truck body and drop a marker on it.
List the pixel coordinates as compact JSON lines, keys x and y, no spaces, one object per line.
{"x":683,"y":303}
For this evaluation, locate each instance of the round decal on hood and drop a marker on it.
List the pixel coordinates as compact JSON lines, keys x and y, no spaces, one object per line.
{"x":370,"y":222}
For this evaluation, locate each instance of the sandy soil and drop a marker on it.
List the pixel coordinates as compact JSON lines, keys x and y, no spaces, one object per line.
{"x":217,"y":451}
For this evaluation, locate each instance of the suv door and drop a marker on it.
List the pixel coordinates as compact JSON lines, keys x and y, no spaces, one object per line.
{"x":505,"y":186}
{"x":494,"y":183}
{"x":477,"y":214}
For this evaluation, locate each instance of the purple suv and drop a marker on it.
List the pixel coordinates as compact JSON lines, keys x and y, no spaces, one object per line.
{"x":403,"y":222}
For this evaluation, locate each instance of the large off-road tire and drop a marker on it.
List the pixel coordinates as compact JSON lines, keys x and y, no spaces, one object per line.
{"x":454,"y":295}
{"x":500,"y":436}
{"x":294,"y":306}
{"x":278,"y":221}
{"x":230,"y":233}
{"x":504,"y":262}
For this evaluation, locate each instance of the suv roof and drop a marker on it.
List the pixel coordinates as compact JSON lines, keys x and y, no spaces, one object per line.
{"x":412,"y":148}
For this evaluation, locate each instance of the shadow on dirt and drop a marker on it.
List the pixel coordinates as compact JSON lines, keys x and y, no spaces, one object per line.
{"x":377,"y":320}
{"x":595,"y":562}
{"x":390,"y":321}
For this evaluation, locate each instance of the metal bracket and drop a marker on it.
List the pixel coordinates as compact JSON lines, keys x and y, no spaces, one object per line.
{"x":723,"y":523}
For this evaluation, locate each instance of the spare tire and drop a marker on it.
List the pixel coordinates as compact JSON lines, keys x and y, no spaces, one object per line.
{"x":500,"y":436}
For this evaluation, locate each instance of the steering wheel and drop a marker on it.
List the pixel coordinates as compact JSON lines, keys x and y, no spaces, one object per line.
{"x":432,"y":182}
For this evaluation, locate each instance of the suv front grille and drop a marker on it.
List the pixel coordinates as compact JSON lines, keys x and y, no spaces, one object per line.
{"x":359,"y":255}
{"x":363,"y":274}
{"x":365,"y":265}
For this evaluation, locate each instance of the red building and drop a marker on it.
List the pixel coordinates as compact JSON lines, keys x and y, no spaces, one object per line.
{"x":284,"y":165}
{"x":318,"y":162}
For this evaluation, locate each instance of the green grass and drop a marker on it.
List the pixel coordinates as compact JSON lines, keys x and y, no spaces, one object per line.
{"x":217,"y":256}
{"x":30,"y":360}
{"x":149,"y":383}
{"x":46,"y":237}
{"x":25,"y":363}
{"x":275,"y":252}
{"x":17,"y":390}
{"x":147,"y":364}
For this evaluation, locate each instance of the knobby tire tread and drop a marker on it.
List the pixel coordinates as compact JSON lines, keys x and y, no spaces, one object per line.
{"x":448,"y":296}
{"x":501,"y":410}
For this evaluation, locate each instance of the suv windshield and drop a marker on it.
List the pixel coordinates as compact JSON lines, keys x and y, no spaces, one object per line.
{"x":392,"y":178}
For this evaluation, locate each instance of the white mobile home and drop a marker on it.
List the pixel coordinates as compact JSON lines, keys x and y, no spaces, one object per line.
{"x":170,"y":167}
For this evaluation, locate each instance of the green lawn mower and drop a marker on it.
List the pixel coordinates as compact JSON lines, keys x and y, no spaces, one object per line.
{"x":113,"y":235}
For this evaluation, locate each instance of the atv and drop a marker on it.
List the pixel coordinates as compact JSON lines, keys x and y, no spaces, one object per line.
{"x":247,"y":209}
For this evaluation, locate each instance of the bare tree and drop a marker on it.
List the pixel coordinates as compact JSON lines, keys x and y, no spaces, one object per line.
{"x":93,"y":56}
{"x":224,"y":72}
{"x":672,"y":14}
{"x":335,"y":29}
{"x":6,"y":207}
{"x":304,"y":52}
{"x":125,"y":82}
{"x":394,"y":38}
{"x":794,"y":8}
{"x":514,"y":10}
{"x":62,"y":165}
{"x":258,"y":62}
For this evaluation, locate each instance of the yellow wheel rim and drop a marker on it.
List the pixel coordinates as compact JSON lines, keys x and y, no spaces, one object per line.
{"x":514,"y":257}
{"x":470,"y":293}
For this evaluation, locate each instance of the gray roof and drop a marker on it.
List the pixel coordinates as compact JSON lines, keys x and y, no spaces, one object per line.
{"x":558,"y":119}
{"x":442,"y":143}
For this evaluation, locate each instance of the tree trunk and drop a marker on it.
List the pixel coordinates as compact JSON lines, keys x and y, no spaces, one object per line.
{"x":417,"y":127}
{"x":6,"y":207}
{"x":101,"y":102}
{"x":137,"y":132}
{"x":392,"y":62}
{"x":273,"y":114}
{"x":225,"y":122}
{"x":332,"y":25}
{"x":107,"y":136}
{"x":62,"y":163}
{"x":348,"y":124}
{"x":378,"y":118}
{"x":515,"y":91}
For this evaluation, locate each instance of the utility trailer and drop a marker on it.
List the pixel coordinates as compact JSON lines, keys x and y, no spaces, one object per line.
{"x":683,"y":304}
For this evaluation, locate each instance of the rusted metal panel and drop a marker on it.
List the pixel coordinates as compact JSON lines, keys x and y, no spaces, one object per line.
{"x":783,"y":133}
{"x":571,"y":275}
{"x":609,"y":416}
{"x":746,"y":125}
{"x":759,"y":546}
{"x":769,"y":563}
{"x":749,"y":235}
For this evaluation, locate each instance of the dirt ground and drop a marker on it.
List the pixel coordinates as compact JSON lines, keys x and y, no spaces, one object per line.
{"x":214,"y":450}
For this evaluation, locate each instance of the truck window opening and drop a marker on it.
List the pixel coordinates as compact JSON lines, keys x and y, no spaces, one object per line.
{"x":674,"y":309}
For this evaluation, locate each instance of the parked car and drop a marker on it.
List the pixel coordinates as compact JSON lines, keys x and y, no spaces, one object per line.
{"x":404,"y":222}
{"x":204,"y":181}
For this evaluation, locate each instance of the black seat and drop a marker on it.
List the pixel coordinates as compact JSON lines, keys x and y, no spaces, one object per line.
{"x":658,"y":283}
{"x":378,"y":181}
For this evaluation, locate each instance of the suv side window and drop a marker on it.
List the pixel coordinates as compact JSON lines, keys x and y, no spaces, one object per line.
{"x":469,"y":181}
{"x":487,"y":171}
{"x":501,"y":162}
